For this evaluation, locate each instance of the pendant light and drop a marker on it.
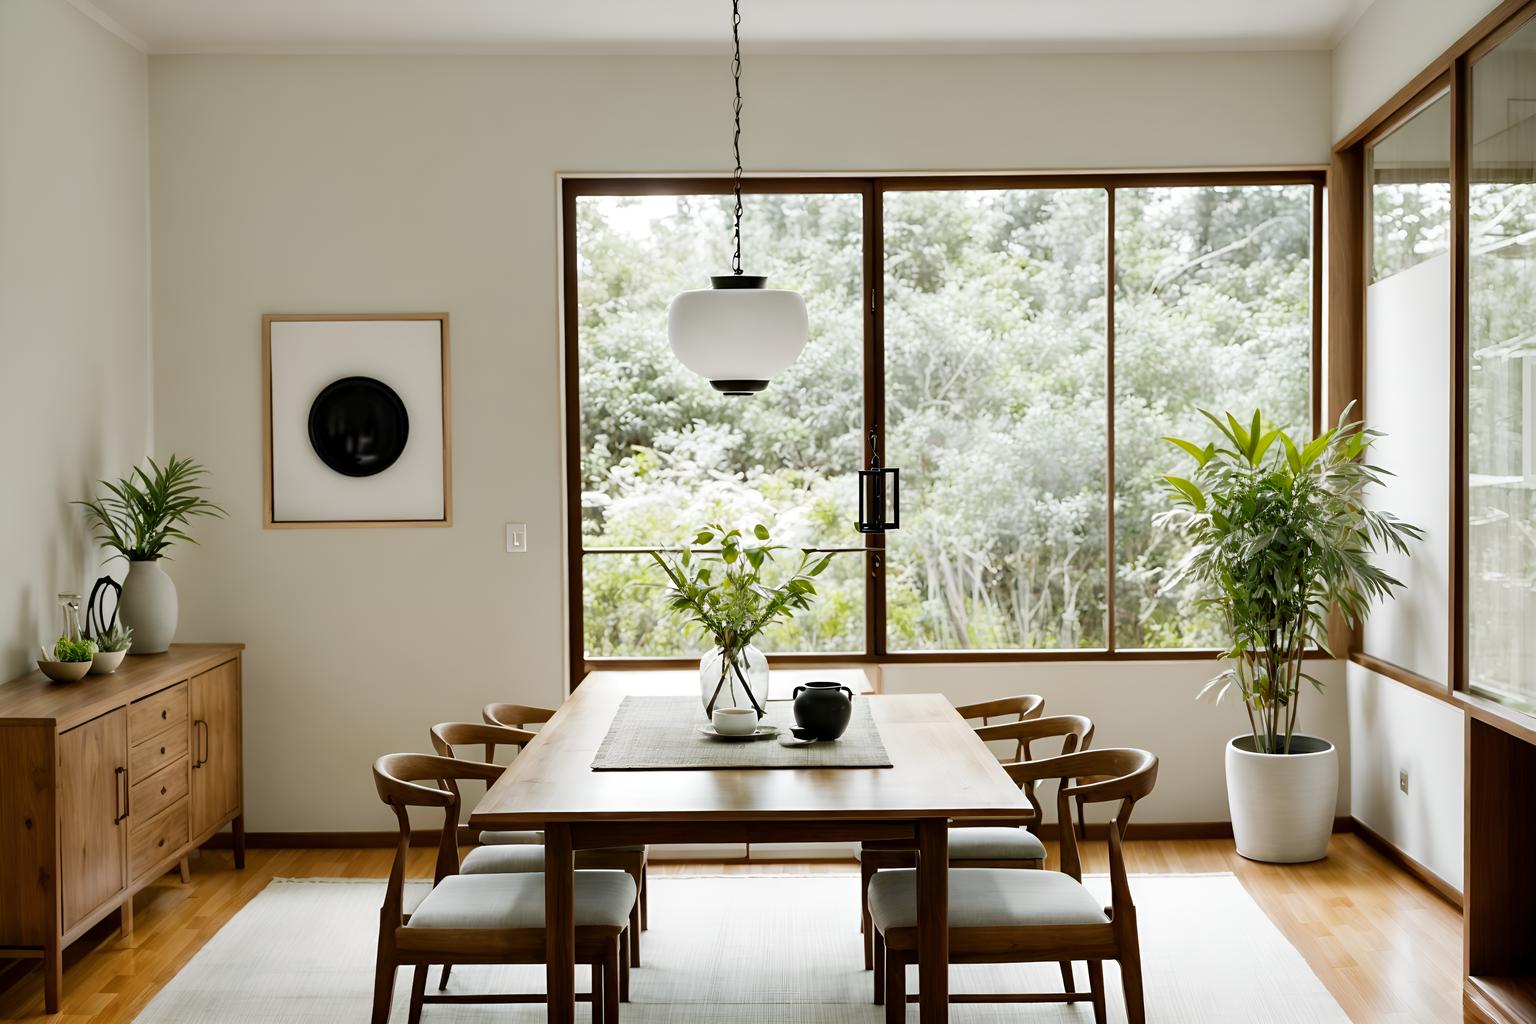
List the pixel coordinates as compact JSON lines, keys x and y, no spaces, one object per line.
{"x":738,"y":334}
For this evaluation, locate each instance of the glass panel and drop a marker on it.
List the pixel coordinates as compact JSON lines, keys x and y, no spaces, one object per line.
{"x":1501,"y":405}
{"x":662,"y":452}
{"x":995,"y":398}
{"x":1410,"y":175}
{"x":1213,"y":310}
{"x":1407,"y":393}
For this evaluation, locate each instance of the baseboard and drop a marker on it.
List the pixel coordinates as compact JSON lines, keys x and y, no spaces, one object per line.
{"x":1384,"y":846}
{"x":429,"y":837}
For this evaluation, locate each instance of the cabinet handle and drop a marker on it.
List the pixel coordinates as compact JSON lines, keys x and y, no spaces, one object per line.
{"x":200,"y":738}
{"x":119,"y":776}
{"x":161,"y":842}
{"x":163,"y":713}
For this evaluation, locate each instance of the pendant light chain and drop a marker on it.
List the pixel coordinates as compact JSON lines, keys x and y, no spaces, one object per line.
{"x":736,"y":137}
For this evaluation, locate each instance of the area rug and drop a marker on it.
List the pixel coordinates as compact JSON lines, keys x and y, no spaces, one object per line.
{"x":768,"y":949}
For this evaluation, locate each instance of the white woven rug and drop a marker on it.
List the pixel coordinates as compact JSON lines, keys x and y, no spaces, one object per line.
{"x":772,"y":949}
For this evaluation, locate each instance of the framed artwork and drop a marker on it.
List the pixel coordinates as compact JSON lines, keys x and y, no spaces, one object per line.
{"x":355,"y":420}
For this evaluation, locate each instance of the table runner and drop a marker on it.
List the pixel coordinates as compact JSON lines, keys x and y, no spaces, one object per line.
{"x":663,"y":733}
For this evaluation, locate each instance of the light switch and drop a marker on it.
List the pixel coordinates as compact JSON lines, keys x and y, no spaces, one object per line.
{"x":517,"y":538}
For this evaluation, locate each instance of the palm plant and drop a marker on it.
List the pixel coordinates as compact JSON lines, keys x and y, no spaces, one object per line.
{"x":1279,"y":536}
{"x":142,"y":514}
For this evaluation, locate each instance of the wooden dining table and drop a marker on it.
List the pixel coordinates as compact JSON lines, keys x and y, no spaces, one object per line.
{"x":939,"y":770}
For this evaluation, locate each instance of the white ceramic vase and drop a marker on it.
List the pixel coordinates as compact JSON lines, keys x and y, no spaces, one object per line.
{"x":1282,"y":804}
{"x":148,"y":604}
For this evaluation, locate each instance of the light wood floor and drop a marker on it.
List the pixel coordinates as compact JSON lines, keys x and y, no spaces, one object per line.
{"x":1387,"y":948}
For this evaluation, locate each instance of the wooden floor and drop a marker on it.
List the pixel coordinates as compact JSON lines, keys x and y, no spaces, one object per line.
{"x":1387,"y":947}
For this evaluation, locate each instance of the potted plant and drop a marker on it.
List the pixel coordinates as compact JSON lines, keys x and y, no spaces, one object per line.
{"x":1279,"y":536}
{"x":720,"y":590}
{"x":70,"y":662}
{"x":139,"y":517}
{"x":112,"y":646}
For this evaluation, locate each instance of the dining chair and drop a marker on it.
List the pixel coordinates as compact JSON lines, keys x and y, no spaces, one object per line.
{"x":481,"y":918}
{"x":998,"y":916}
{"x":496,"y":857}
{"x":1022,"y":706}
{"x":979,"y":843}
{"x":520,"y":716}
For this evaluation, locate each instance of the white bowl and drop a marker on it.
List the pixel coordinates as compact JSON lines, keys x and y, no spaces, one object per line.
{"x":106,"y":662}
{"x":734,"y":721}
{"x":65,"y":671}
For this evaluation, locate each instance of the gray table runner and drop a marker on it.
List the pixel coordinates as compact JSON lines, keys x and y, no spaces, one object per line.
{"x":663,"y":732}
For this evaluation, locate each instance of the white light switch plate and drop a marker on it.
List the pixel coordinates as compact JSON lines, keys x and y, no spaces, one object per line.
{"x":517,"y":538}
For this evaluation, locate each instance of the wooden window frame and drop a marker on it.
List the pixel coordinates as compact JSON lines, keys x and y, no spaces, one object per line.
{"x":872,"y":189}
{"x":1348,"y":278}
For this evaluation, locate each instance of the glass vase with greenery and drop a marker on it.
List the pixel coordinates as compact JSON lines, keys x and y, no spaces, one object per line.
{"x":716,"y":585}
{"x":143,"y":514}
{"x":1280,"y":535}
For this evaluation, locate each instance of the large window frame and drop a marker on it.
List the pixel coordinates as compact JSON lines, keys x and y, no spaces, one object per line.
{"x":872,"y":190}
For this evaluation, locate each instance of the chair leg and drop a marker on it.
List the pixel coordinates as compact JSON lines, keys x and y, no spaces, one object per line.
{"x":865,"y":927}
{"x":878,"y":942}
{"x":383,"y":987}
{"x":1068,"y":983}
{"x":611,"y":981}
{"x":1130,"y":981}
{"x":633,"y":937}
{"x":895,"y":988}
{"x":442,"y":981}
{"x":600,"y":981}
{"x":645,"y":902}
{"x":418,"y":991}
{"x":623,"y":972}
{"x":1096,"y":988}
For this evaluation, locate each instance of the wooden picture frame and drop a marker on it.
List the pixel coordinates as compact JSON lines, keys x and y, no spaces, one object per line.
{"x":268,"y":497}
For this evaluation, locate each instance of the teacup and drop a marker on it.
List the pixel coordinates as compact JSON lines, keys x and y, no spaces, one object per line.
{"x":734,"y":721}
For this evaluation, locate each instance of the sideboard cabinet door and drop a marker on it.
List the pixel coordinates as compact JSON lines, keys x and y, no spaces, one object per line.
{"x":215,"y":746}
{"x":93,"y":791}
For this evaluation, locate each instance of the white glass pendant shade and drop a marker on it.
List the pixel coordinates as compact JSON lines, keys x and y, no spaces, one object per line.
{"x":738,"y":334}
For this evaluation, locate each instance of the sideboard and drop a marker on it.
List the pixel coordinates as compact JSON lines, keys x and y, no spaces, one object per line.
{"x":107,"y":784}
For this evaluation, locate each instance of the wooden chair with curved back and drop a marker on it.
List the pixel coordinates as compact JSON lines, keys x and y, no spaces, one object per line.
{"x":1033,"y":916}
{"x":520,"y":716}
{"x":492,"y":918}
{"x":1021,"y":706}
{"x":529,"y":855}
{"x":985,"y":844}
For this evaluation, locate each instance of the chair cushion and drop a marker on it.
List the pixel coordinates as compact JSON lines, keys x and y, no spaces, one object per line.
{"x":498,"y":860}
{"x":989,"y":844}
{"x":994,"y":844}
{"x":986,"y":898}
{"x":511,"y":901}
{"x":511,"y":838}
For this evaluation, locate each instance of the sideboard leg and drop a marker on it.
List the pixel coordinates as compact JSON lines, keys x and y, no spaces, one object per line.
{"x":53,"y":974}
{"x":238,"y":828}
{"x":125,"y":921}
{"x":185,"y":869}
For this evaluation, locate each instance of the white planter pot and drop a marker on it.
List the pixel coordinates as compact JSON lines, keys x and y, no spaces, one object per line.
{"x":1282,"y":804}
{"x":148,"y":604}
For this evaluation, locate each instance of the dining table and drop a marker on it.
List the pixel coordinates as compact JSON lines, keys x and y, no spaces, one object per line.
{"x":939,"y":770}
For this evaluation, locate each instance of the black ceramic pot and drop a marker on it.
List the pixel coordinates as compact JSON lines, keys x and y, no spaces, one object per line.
{"x":823,"y":709}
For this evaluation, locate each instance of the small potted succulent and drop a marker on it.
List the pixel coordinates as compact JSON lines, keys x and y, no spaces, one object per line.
{"x":69,"y":662}
{"x":111,"y":648}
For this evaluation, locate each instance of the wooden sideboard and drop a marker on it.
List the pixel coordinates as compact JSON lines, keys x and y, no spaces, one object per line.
{"x":107,"y":784}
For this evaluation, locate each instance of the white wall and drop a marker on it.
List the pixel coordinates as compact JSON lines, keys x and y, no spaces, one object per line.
{"x":1391,"y":43}
{"x":74,"y":265}
{"x":286,"y":184}
{"x":1147,"y":704}
{"x":1393,"y":728}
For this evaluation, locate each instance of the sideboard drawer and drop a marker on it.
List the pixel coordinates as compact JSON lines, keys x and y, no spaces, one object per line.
{"x":155,"y":753}
{"x":158,"y":712}
{"x":151,"y":842}
{"x":150,"y":796}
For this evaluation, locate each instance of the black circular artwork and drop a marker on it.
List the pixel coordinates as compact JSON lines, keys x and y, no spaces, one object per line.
{"x":358,"y":426}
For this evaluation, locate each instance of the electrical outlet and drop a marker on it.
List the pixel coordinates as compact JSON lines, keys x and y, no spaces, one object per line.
{"x":517,"y":538}
{"x":1402,"y":779}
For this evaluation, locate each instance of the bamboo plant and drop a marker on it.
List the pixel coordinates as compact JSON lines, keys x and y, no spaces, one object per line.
{"x":1280,"y":535}
{"x":143,"y":514}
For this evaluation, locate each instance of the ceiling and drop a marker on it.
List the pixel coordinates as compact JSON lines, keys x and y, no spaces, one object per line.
{"x":703,"y":26}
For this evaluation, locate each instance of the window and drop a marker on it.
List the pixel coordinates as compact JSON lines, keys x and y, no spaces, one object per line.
{"x":1501,"y":374}
{"x":1017,"y":326}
